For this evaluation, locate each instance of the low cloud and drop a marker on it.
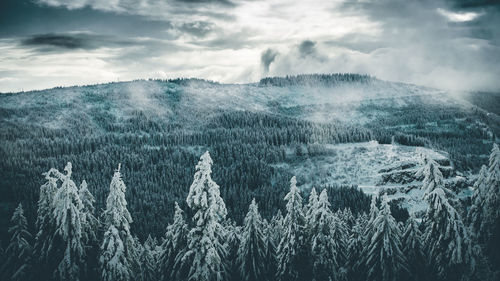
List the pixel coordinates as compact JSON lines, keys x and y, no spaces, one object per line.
{"x":266,"y":59}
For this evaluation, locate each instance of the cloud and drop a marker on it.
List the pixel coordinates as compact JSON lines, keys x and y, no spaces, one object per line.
{"x":458,"y":17}
{"x":267,"y":58}
{"x":441,"y":43}
{"x":307,"y":48}
{"x":62,"y":41}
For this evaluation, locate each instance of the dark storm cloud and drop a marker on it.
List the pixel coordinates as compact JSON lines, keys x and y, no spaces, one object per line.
{"x":267,"y":58}
{"x":62,"y":41}
{"x":73,"y":41}
{"x":474,"y":3}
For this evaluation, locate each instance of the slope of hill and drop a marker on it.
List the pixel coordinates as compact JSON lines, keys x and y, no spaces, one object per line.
{"x":259,"y":135}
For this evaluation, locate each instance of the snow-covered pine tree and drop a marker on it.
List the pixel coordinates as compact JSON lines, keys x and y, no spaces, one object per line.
{"x":413,"y":250}
{"x":325,"y":248}
{"x":251,"y":257}
{"x":276,"y":226}
{"x":16,"y":265}
{"x":432,"y":176}
{"x":43,"y":252}
{"x":232,"y":243}
{"x":91,"y":222}
{"x":149,"y":260}
{"x":490,"y":227}
{"x":90,"y":228}
{"x":292,"y":259}
{"x":311,"y":205}
{"x":117,"y":253}
{"x":174,"y":243}
{"x":446,"y":240}
{"x":475,"y":216}
{"x":69,"y":221}
{"x":383,"y":257}
{"x":270,"y":258}
{"x":205,"y":257}
{"x":356,"y":243}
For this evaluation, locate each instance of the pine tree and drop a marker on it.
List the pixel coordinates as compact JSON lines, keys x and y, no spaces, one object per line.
{"x":446,"y":239}
{"x":205,"y":257}
{"x":355,"y":248}
{"x":433,"y":178}
{"x":174,"y":243}
{"x":311,"y":205}
{"x":383,"y":257}
{"x":43,"y":253}
{"x":251,"y":256}
{"x":325,"y":247}
{"x":90,"y":228}
{"x":69,"y":221}
{"x":270,"y":257}
{"x":148,"y":260}
{"x":91,"y":222}
{"x":475,"y":216}
{"x":413,"y":250}
{"x":16,"y":265}
{"x":276,"y":226}
{"x":117,"y":248}
{"x":292,"y":251}
{"x":490,"y":227}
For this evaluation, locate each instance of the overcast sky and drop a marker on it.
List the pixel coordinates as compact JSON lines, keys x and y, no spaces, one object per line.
{"x":439,"y":43}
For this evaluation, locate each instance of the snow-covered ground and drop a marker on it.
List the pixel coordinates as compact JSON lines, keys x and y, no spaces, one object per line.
{"x":373,"y":167}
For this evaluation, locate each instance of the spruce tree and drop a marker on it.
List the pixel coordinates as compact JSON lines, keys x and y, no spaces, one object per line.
{"x":70,"y":222}
{"x":43,"y":253}
{"x":148,"y":260}
{"x":355,"y":246}
{"x":476,"y":212}
{"x":292,"y":251}
{"x":90,"y":228}
{"x":17,"y":262}
{"x":446,"y":239}
{"x":413,"y":250}
{"x":174,"y":243}
{"x":489,"y":233}
{"x":325,"y":247}
{"x":117,"y":248}
{"x":205,"y":256}
{"x":383,"y":258}
{"x":251,"y":257}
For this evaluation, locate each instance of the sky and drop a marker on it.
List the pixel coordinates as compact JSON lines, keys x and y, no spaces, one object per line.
{"x":448,"y":44}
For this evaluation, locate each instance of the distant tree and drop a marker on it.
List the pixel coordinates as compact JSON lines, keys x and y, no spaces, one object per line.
{"x":253,"y":247}
{"x":17,"y":262}
{"x":205,"y":256}
{"x":117,"y":249}
{"x":292,"y":251}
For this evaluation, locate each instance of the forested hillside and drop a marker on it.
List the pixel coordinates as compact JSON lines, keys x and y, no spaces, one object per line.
{"x":260,"y":135}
